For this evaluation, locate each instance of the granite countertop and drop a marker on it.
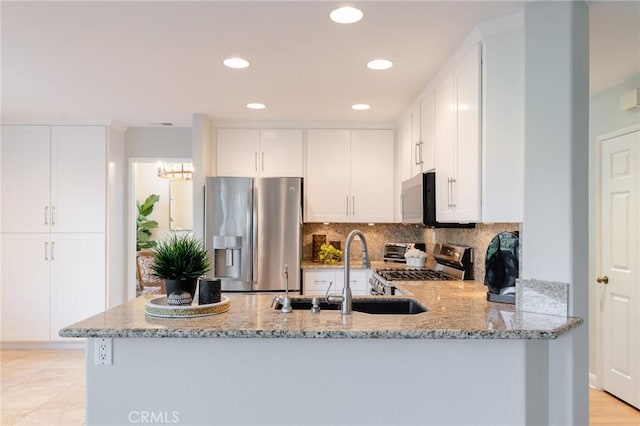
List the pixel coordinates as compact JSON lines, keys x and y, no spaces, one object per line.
{"x":309,"y":264}
{"x":457,"y":310}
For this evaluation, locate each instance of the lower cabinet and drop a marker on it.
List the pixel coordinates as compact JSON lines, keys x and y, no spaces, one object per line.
{"x":50,"y":281}
{"x":316,"y":282}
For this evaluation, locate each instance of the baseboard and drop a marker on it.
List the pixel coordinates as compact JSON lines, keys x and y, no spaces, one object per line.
{"x":44,"y":345}
{"x":593,"y":381}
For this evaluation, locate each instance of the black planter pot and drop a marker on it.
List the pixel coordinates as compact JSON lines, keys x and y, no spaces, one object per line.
{"x":180,"y":285}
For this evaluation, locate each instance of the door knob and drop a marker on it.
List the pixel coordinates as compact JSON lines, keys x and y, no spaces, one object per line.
{"x":603,"y":280}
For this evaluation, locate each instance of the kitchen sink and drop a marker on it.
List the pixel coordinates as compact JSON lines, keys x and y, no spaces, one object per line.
{"x":368,"y":305}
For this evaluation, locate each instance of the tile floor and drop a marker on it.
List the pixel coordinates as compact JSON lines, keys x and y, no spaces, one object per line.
{"x":42,"y":387}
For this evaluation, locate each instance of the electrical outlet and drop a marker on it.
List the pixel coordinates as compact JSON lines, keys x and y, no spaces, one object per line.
{"x":103,"y":351}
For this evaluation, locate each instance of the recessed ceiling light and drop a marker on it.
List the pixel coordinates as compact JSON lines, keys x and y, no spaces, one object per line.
{"x":346,"y":15}
{"x":361,"y":107}
{"x":236,"y":63}
{"x":380,"y":64}
{"x":256,"y":105}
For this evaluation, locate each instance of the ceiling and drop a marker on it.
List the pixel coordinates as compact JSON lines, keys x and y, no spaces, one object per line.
{"x":143,"y":63}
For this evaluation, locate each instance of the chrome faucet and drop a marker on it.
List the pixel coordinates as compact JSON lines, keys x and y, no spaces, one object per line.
{"x":346,"y":297}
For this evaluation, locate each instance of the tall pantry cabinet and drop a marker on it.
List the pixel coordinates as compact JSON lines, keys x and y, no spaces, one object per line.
{"x":53,"y":223}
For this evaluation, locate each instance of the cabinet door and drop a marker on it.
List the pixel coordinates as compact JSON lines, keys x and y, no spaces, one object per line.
{"x":326,"y":181}
{"x":77,"y":279}
{"x":371,"y":176}
{"x":25,"y":287}
{"x":25,"y":177}
{"x":317,"y":282}
{"x":466,"y":188}
{"x":237,"y":153}
{"x":359,"y":279}
{"x":445,"y":147}
{"x":428,"y":128}
{"x":78,"y":178}
{"x":281,"y":153}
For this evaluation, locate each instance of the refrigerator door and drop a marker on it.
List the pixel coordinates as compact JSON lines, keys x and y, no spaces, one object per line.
{"x":228,"y":228}
{"x":277,"y":233}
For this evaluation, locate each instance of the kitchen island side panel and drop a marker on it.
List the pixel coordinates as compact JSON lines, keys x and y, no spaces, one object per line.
{"x":316,"y":382}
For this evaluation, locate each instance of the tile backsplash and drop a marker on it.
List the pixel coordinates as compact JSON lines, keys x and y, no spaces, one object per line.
{"x":478,"y":238}
{"x":376,"y":236}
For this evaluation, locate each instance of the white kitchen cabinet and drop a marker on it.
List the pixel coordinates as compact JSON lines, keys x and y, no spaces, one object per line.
{"x":371,"y":176}
{"x":349,"y":176}
{"x":427,"y":153}
{"x":77,"y":285}
{"x":54,"y":203}
{"x":259,"y":153}
{"x":25,"y":287}
{"x":50,"y":281}
{"x":316,"y":282}
{"x":458,"y":142}
{"x":53,"y":178}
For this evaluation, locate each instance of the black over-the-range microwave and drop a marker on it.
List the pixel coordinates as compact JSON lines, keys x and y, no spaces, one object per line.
{"x":419,"y":202}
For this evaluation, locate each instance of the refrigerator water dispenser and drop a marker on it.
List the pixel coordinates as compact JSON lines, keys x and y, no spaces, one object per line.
{"x":227,"y":255}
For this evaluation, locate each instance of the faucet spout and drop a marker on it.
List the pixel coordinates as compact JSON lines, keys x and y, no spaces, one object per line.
{"x":347,"y":300}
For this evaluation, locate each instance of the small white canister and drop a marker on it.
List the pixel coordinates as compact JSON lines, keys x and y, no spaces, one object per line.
{"x":415,"y":258}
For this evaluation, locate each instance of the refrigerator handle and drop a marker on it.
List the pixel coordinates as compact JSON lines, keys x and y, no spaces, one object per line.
{"x":255,"y":237}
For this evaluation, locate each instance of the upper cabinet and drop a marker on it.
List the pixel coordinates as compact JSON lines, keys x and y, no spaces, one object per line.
{"x":458,"y":142}
{"x":349,"y":176}
{"x":53,"y":179}
{"x":259,"y":153}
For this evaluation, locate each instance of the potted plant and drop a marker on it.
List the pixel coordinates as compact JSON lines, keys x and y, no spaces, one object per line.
{"x":180,"y":260}
{"x":144,"y":225}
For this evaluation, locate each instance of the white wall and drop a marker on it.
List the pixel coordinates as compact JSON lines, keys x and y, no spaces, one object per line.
{"x":605,"y":117}
{"x":555,"y":225}
{"x":158,"y":142}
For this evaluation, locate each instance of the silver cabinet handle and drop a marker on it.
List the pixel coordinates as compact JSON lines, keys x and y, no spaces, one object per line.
{"x":53,"y":217}
{"x":53,"y":246}
{"x":46,"y":215}
{"x":449,"y":193}
{"x":255,"y":161}
{"x":453,"y":199}
{"x":421,"y":148}
{"x":347,"y":200}
{"x":353,"y":205}
{"x":416,"y":153}
{"x":263,"y":161}
{"x":46,"y":247}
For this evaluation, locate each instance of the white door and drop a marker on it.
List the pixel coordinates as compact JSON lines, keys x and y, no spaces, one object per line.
{"x":25,"y":287}
{"x":371,"y":176}
{"x":77,"y":279}
{"x":326,"y":181}
{"x":78,"y":178}
{"x":237,"y":152}
{"x":620,"y":265}
{"x":281,"y":153}
{"x":24,"y":183}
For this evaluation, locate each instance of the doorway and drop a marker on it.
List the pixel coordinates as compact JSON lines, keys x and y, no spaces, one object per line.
{"x":167,"y":187}
{"x":618,"y":292}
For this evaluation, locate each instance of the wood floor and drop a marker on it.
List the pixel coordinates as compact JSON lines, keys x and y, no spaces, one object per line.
{"x":46,"y":387}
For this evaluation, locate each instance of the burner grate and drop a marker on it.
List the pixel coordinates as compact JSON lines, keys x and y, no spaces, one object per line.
{"x":422,"y":274}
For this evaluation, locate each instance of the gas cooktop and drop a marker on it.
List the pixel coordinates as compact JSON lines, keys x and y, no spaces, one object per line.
{"x":419,"y":274}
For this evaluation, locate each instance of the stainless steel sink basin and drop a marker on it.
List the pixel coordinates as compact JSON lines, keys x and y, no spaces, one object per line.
{"x":367,"y":305}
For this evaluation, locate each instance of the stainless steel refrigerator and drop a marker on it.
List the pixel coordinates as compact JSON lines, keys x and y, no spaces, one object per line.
{"x":253,"y":228}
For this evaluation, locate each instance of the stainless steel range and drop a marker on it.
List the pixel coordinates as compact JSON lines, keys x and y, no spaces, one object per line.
{"x":452,"y":263}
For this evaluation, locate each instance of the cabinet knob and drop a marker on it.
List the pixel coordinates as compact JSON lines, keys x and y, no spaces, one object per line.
{"x":603,"y":280}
